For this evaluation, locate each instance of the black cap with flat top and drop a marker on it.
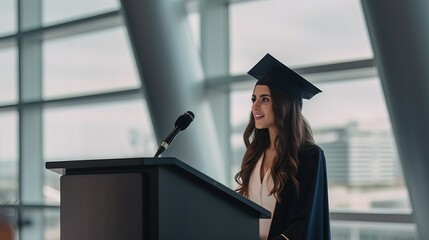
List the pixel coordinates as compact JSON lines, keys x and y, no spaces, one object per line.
{"x":270,"y":71}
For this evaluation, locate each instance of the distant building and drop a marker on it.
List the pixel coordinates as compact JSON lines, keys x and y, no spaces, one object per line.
{"x":357,"y":157}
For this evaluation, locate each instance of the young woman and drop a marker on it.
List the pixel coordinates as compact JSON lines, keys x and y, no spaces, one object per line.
{"x":282,"y":169}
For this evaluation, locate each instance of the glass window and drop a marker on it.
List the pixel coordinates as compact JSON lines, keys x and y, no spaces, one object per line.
{"x":52,"y":224}
{"x":108,"y":130}
{"x":7,"y":17}
{"x":297,"y":32}
{"x":51,"y":188}
{"x":8,"y":76}
{"x":347,"y":230}
{"x":8,"y":158}
{"x":62,"y":10}
{"x":350,"y":122}
{"x":89,"y":63}
{"x":45,"y":223}
{"x":95,"y":131}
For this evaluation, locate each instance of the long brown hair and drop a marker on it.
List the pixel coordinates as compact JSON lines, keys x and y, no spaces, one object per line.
{"x":293,"y":131}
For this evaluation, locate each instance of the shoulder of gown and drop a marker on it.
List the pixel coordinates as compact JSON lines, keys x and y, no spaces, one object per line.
{"x":304,"y":214}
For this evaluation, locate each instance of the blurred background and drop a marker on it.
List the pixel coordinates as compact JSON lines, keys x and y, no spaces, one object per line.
{"x":74,"y":85}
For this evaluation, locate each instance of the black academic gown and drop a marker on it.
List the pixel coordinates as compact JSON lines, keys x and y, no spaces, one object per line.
{"x":304,"y":216}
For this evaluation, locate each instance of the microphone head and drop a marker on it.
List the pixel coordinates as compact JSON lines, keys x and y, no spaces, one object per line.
{"x":184,"y":120}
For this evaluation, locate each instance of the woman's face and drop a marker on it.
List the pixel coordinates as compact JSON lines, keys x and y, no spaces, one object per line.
{"x":262,"y":108}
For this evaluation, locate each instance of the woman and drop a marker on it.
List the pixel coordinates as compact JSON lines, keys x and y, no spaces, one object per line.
{"x":282,"y":169}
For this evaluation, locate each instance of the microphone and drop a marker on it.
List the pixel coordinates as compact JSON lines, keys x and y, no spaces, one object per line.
{"x":181,"y":123}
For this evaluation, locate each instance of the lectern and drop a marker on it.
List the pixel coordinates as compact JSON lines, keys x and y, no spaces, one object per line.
{"x":150,"y":199}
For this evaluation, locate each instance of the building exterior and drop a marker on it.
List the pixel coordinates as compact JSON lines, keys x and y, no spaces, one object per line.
{"x":358,"y":157}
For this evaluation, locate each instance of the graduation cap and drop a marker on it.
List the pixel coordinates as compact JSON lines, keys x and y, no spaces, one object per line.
{"x":270,"y":71}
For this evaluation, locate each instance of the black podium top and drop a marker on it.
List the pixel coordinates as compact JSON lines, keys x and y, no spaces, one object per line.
{"x":80,"y":166}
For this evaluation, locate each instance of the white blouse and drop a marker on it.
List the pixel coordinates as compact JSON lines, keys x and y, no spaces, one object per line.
{"x":259,"y":193}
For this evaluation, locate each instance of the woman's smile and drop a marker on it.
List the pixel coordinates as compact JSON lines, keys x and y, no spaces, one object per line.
{"x":262,"y":108}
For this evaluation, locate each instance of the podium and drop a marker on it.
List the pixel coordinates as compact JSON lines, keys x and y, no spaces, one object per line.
{"x":150,"y":199}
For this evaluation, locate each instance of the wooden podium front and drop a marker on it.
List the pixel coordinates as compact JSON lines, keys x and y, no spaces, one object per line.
{"x":150,"y":199}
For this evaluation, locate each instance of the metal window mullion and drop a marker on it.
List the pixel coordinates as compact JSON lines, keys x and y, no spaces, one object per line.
{"x":30,"y":121}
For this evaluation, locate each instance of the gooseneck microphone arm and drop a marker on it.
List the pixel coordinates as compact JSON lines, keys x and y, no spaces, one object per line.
{"x":181,"y":124}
